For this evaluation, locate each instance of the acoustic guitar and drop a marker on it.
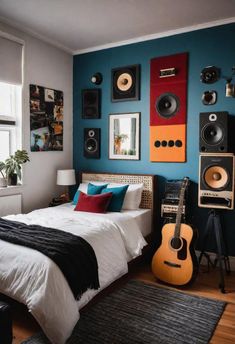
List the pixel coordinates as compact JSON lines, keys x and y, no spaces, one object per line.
{"x":175,"y":261}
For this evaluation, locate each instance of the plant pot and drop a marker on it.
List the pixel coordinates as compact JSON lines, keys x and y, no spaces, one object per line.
{"x":3,"y":182}
{"x":12,"y":179}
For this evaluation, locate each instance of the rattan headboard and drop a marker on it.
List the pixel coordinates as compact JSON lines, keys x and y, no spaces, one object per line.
{"x":147,"y":201}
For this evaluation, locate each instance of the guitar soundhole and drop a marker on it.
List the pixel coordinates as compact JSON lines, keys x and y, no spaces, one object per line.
{"x":176,"y":243}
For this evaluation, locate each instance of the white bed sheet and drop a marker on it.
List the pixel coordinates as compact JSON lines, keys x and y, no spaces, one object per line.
{"x":144,"y":219}
{"x":35,"y":280}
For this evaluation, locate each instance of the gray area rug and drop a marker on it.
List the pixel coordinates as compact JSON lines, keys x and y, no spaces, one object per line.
{"x":141,"y":313}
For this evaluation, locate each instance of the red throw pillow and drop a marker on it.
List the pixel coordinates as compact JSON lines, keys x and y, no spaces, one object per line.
{"x":93,"y":203}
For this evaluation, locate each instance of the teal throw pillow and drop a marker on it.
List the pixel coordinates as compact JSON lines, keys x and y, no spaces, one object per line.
{"x":91,"y":190}
{"x":95,"y":189}
{"x":117,"y":198}
{"x":76,"y":197}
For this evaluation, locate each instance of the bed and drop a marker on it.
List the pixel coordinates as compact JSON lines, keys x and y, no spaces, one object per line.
{"x":33,"y":279}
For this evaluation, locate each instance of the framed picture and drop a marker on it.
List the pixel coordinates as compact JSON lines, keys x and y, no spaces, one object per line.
{"x":125,"y":83}
{"x":46,"y":119}
{"x":124,"y":136}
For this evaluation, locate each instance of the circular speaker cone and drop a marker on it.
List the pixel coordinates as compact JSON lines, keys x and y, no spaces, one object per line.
{"x":91,"y":133}
{"x":97,"y":78}
{"x":212,"y":117}
{"x":91,"y":145}
{"x":216,"y":177}
{"x":167,"y":105}
{"x":212,"y":134}
{"x":124,"y":82}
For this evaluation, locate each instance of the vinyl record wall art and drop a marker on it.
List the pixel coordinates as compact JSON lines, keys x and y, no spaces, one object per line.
{"x":46,"y":119}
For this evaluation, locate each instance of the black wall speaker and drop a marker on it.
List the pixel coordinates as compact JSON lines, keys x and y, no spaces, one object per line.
{"x":91,"y":100}
{"x":213,"y":131}
{"x":92,"y":143}
{"x":125,"y":83}
{"x":216,"y":180}
{"x":209,"y":97}
{"x":167,"y":105}
{"x":210,"y":74}
{"x":97,"y":78}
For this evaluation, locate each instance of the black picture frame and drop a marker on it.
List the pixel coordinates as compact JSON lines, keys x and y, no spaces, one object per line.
{"x":129,"y":74}
{"x":46,"y":118}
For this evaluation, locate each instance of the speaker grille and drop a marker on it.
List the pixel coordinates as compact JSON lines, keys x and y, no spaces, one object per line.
{"x":91,"y":103}
{"x":167,"y":105}
{"x":216,"y":177}
{"x":91,"y":145}
{"x":124,"y":82}
{"x":212,"y":134}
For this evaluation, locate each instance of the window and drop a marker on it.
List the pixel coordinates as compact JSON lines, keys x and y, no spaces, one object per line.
{"x":4,"y":144}
{"x":10,"y":119}
{"x":11,"y":80}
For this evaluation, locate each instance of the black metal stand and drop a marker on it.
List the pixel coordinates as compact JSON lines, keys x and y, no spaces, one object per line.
{"x":214,"y":224}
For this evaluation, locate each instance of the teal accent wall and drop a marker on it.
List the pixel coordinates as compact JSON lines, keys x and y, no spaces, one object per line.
{"x":213,"y":46}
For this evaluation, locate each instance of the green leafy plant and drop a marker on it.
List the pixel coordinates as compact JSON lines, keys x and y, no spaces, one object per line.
{"x":120,"y":138}
{"x":2,"y":168}
{"x":14,"y":162}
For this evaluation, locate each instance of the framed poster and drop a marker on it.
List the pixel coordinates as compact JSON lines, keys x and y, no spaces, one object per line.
{"x":46,"y":119}
{"x":124,"y":136}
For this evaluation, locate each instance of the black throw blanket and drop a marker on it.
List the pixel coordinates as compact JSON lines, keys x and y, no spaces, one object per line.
{"x":74,"y":255}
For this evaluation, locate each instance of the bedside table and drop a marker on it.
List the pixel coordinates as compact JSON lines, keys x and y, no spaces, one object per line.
{"x":57,"y":201}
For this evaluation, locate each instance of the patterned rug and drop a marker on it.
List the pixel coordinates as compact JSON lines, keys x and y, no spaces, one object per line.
{"x":141,"y":313}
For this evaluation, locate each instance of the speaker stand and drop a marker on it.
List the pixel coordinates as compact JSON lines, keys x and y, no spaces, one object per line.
{"x":214,"y":226}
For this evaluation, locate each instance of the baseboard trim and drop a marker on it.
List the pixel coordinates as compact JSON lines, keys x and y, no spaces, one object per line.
{"x":213,"y":256}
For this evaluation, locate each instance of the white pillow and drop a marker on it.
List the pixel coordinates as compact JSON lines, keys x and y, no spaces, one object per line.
{"x":133,"y":195}
{"x":83,"y":186}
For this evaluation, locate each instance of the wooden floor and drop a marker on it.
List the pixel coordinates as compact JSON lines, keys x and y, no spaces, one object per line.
{"x":205,"y":285}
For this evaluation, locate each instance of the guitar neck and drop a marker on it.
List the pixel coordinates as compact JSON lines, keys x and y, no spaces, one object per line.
{"x":180,"y":209}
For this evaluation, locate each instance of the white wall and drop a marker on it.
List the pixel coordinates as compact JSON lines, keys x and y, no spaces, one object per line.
{"x":48,"y":66}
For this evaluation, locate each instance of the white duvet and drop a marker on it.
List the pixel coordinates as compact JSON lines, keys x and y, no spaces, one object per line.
{"x":35,"y":280}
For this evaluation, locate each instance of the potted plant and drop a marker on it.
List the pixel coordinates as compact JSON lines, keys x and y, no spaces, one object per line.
{"x":13,"y":166}
{"x":118,"y":139}
{"x":3,"y":179}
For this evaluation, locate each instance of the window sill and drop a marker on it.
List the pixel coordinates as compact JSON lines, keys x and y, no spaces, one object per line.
{"x":10,"y":190}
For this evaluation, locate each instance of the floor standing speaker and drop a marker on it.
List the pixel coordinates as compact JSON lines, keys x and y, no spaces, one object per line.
{"x":216,"y":180}
{"x":92,"y":143}
{"x":213,"y":131}
{"x":91,"y":99}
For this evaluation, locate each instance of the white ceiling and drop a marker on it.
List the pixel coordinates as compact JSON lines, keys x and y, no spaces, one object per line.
{"x":85,"y":25}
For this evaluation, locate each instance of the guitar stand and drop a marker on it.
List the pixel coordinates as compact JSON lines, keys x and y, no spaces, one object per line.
{"x":214,"y":224}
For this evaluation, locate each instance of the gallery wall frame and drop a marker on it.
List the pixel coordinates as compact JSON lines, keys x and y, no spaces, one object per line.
{"x":125,"y":83}
{"x":124,"y":136}
{"x":46,"y":119}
